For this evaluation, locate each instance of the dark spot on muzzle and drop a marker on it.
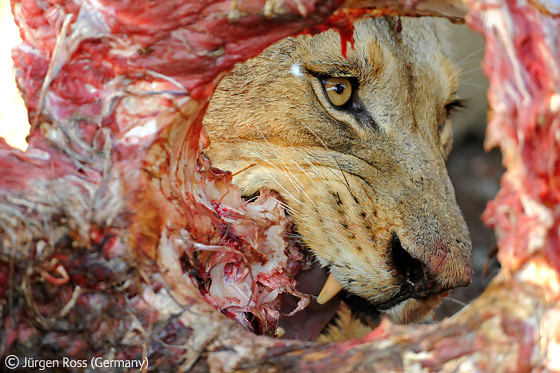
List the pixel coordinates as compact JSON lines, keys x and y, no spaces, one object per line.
{"x":410,"y":269}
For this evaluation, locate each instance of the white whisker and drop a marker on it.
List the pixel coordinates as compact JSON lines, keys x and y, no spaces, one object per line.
{"x":334,"y":159}
{"x":285,"y":205}
{"x":302,"y":170}
{"x":277,"y":182}
{"x":288,"y":172}
{"x":315,"y":169}
{"x":474,"y":85}
{"x":302,"y":190}
{"x":456,"y":301}
{"x":472,"y":56}
{"x":470,"y":71}
{"x":282,"y":186}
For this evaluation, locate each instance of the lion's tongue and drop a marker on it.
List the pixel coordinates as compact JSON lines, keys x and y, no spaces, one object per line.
{"x":307,"y":324}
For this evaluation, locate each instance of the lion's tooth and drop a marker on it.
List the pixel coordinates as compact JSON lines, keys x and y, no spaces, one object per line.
{"x":331,"y":288}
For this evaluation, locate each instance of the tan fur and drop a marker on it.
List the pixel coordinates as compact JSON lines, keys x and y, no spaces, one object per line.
{"x":344,"y":327}
{"x":351,"y":183}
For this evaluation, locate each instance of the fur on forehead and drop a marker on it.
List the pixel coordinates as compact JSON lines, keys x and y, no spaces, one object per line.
{"x":381,"y":36}
{"x":385,"y":30}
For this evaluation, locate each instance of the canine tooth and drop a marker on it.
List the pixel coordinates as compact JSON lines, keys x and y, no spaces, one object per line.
{"x":331,"y":288}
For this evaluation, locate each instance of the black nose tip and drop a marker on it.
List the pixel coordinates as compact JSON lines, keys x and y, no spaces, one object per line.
{"x":410,"y":269}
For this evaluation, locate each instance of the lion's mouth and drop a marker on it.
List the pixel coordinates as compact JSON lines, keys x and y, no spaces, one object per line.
{"x":271,"y":285}
{"x":309,"y":323}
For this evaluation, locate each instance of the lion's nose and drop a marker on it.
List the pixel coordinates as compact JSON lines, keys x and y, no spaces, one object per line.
{"x":418,"y":277}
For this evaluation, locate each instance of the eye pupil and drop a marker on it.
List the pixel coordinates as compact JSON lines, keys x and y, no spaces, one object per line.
{"x":339,"y":88}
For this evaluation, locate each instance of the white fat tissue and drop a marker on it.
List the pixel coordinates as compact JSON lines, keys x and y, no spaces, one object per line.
{"x":147,"y":129}
{"x":248,"y":289}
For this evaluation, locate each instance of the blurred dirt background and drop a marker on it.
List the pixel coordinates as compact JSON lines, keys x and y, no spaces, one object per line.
{"x":474,"y":172}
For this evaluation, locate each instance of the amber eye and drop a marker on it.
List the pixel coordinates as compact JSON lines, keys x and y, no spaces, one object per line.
{"x":339,"y":90}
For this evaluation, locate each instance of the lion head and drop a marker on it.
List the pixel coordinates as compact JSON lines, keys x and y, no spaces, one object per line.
{"x":356,"y":146}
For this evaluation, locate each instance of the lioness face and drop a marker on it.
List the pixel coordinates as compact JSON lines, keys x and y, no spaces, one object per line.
{"x":356,"y":147}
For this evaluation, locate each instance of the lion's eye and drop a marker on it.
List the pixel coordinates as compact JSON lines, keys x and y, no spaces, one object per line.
{"x":339,"y":90}
{"x":449,"y":109}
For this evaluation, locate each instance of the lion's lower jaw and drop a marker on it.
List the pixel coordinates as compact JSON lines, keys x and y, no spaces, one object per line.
{"x":414,"y":310}
{"x":347,"y":327}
